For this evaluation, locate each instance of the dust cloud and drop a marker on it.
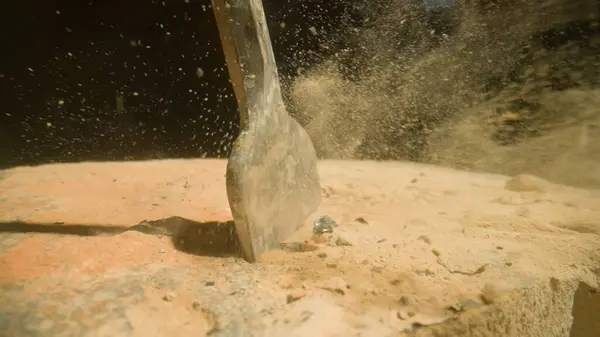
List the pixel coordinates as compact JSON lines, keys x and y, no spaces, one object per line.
{"x":503,"y":87}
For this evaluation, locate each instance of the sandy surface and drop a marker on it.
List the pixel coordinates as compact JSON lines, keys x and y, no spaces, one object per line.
{"x":418,"y":250}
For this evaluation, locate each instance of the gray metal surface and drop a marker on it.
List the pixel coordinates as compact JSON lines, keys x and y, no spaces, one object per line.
{"x":272,"y":179}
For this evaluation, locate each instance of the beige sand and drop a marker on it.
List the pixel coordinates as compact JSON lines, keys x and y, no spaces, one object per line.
{"x":418,"y":248}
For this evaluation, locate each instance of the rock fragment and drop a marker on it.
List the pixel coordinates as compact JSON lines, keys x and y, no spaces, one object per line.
{"x":324,"y":224}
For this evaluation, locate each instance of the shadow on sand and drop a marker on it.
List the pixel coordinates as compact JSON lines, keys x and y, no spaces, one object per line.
{"x":212,"y":238}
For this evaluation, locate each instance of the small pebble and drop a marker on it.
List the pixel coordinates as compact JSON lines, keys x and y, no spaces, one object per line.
{"x":461,"y":306}
{"x":425,"y":239}
{"x":405,"y":300}
{"x":455,"y":308}
{"x":325,"y":224}
{"x":336,"y":285}
{"x":402,"y":315}
{"x":340,"y":241}
{"x":295,"y":296}
{"x":297,"y":247}
{"x":361,"y":220}
{"x":169,"y":297}
{"x":490,"y":293}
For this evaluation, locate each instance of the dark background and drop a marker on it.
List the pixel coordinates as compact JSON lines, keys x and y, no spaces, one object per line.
{"x":66,"y":63}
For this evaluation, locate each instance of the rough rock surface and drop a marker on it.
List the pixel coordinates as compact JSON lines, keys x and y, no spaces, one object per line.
{"x":418,"y":250}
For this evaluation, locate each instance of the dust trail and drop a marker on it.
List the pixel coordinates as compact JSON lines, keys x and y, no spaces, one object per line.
{"x":505,"y":87}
